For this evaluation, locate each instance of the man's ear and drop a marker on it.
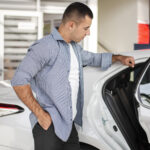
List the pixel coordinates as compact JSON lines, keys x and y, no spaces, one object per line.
{"x":71,"y":25}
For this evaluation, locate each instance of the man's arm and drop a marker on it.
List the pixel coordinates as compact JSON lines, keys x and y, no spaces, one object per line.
{"x":126,"y":60}
{"x":25,"y":94}
{"x":104,"y":60}
{"x":33,"y":62}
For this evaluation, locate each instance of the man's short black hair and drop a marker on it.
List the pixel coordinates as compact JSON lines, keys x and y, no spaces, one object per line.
{"x":76,"y":10}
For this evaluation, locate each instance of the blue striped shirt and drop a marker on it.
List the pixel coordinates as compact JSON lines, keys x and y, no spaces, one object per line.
{"x":46,"y":68}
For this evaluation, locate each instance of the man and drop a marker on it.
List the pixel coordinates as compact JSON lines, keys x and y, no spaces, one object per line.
{"x":53,"y":69}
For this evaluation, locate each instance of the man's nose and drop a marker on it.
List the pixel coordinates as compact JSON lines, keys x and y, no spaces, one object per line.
{"x":88,"y":32}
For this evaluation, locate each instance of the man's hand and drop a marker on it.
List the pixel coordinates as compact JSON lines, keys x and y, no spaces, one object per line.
{"x":125,"y":60}
{"x":44,"y":120}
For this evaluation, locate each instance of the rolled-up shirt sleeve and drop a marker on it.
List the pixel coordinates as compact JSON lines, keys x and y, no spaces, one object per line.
{"x":32,"y":63}
{"x":103,"y":60}
{"x":106,"y":60}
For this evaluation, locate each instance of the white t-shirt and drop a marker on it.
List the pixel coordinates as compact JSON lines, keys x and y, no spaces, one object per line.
{"x":74,"y":80}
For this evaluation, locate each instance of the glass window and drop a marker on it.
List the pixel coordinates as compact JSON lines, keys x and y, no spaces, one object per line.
{"x":144,"y":88}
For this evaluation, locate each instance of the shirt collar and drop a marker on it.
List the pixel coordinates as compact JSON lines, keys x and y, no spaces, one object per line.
{"x":56,"y":35}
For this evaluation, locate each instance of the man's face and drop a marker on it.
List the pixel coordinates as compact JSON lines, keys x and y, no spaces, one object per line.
{"x":81,"y":29}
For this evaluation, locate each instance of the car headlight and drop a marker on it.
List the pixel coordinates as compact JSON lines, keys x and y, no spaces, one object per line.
{"x":9,"y":109}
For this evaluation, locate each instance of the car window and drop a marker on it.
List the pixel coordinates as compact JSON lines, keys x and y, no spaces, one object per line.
{"x":144,"y":88}
{"x":125,"y":78}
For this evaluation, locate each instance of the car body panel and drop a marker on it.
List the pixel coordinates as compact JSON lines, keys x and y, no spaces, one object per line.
{"x":15,"y":129}
{"x":106,"y":121}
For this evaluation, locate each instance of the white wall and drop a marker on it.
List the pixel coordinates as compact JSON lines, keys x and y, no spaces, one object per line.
{"x":117,"y":25}
{"x":143,"y":11}
{"x":90,"y":42}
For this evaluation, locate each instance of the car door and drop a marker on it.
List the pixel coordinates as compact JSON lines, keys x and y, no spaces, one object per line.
{"x":142,"y":95}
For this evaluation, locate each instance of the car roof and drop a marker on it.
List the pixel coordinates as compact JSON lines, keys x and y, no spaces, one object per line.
{"x":137,"y":54}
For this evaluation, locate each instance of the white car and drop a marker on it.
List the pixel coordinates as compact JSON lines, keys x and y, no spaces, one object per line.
{"x":116,"y":114}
